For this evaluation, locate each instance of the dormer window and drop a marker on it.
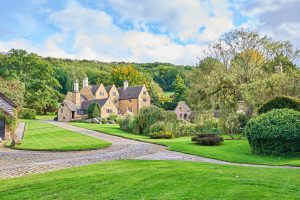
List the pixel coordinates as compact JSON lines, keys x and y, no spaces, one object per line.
{"x":144,"y":100}
{"x":101,"y":93}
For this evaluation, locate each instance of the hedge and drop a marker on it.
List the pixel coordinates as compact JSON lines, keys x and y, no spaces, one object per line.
{"x":280,"y":102}
{"x":275,"y":133}
{"x":27,"y":113}
{"x":93,"y":110}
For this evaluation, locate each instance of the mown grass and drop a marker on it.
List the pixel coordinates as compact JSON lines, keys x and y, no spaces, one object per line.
{"x":45,"y":117}
{"x":133,"y":179}
{"x":237,"y":151}
{"x":47,"y":137}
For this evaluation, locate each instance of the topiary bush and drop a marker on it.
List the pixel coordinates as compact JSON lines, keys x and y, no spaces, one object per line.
{"x":27,"y":113}
{"x":93,"y":111}
{"x":208,"y":139}
{"x":161,"y":134}
{"x":280,"y":102}
{"x":275,"y":133}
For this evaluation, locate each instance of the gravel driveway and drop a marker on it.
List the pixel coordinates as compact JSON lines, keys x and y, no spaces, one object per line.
{"x":14,"y":163}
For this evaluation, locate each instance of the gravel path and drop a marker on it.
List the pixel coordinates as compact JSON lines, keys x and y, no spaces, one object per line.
{"x":14,"y":163}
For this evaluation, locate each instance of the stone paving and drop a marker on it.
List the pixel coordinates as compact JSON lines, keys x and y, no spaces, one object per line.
{"x":14,"y":163}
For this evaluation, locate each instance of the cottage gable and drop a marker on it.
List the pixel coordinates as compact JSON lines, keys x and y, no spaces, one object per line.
{"x":100,"y":92}
{"x":113,"y":94}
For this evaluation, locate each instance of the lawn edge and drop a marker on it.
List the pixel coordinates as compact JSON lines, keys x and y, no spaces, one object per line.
{"x":168,"y":148}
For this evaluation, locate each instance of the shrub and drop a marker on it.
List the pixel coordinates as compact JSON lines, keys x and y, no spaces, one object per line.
{"x":186,"y":129}
{"x":161,"y":134}
{"x":164,"y":127}
{"x":129,"y":123}
{"x":152,"y":114}
{"x":275,"y":133}
{"x":56,"y":118}
{"x":27,"y":113}
{"x":208,"y":139}
{"x":104,"y":120}
{"x":93,"y":110}
{"x":113,"y":117}
{"x":280,"y":102}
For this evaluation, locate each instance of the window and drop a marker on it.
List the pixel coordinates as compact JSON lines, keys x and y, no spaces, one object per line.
{"x":144,"y":92}
{"x":144,"y":100}
{"x":130,"y":109}
{"x":130,"y":100}
{"x":80,"y":112}
{"x":180,"y":115}
{"x":101,"y":93}
{"x":114,"y":94}
{"x":62,"y":110}
{"x":180,"y":108}
{"x":108,"y":111}
{"x":116,"y":101}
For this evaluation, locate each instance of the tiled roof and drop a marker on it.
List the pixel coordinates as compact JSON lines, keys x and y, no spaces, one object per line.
{"x":8,"y":100}
{"x":182,"y":103}
{"x":108,"y":88}
{"x":86,"y":104}
{"x":130,"y":92}
{"x":72,"y":106}
{"x":94,"y":88}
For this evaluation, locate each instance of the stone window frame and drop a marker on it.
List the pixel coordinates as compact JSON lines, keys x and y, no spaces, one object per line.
{"x":144,"y":100}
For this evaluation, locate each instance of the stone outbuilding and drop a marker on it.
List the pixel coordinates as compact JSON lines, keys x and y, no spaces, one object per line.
{"x":183,"y":111}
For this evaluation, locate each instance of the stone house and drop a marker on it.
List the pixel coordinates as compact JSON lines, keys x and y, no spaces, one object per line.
{"x":183,"y":111}
{"x":7,"y":110}
{"x":111,"y":100}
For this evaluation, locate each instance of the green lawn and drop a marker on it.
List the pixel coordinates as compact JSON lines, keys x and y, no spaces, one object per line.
{"x":237,"y":151}
{"x":44,"y":136}
{"x":132,"y":179}
{"x":45,"y":117}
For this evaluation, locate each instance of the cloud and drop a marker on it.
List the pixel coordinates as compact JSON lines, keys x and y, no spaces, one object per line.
{"x":161,"y":31}
{"x":276,"y":18}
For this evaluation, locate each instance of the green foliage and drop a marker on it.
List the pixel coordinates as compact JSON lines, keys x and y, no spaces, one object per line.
{"x":129,"y":123}
{"x":113,"y":116}
{"x":275,"y":133}
{"x":179,"y":89}
{"x":93,"y":111}
{"x":150,"y":115}
{"x":14,"y":90}
{"x":163,"y":126}
{"x":104,"y":120}
{"x":10,"y":122}
{"x":161,"y":134}
{"x":27,"y":113}
{"x":280,"y":102}
{"x":208,"y":139}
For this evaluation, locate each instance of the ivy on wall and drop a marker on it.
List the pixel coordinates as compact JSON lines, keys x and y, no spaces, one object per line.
{"x":10,"y":122}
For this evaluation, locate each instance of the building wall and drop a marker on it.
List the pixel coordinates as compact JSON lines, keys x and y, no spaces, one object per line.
{"x":126,"y":103}
{"x":144,"y":96}
{"x":64,"y":114}
{"x":101,"y":93}
{"x":180,"y":113}
{"x":109,"y":105}
{"x":114,"y":95}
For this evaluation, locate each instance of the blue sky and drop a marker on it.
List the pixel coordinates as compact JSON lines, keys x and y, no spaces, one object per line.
{"x":174,"y":31}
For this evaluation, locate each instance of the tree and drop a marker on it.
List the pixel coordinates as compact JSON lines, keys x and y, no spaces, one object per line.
{"x":127,"y":72}
{"x":41,"y":87}
{"x":94,"y":111}
{"x":179,"y":88}
{"x":14,"y":90}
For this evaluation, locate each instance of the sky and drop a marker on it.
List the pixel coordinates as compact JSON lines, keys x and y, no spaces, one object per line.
{"x":173,"y":31}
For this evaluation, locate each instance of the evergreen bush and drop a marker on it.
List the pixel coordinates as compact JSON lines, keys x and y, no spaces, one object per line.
{"x":280,"y":102}
{"x":93,"y":111}
{"x":275,"y":133}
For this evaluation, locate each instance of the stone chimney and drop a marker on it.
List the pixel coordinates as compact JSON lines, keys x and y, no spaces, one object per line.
{"x":76,"y":86}
{"x":125,"y":85}
{"x":76,"y":93}
{"x":85,"y":82}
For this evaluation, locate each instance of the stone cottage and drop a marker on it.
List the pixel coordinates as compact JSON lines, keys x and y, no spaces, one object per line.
{"x":7,"y":110}
{"x":183,"y":111}
{"x":127,"y":99}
